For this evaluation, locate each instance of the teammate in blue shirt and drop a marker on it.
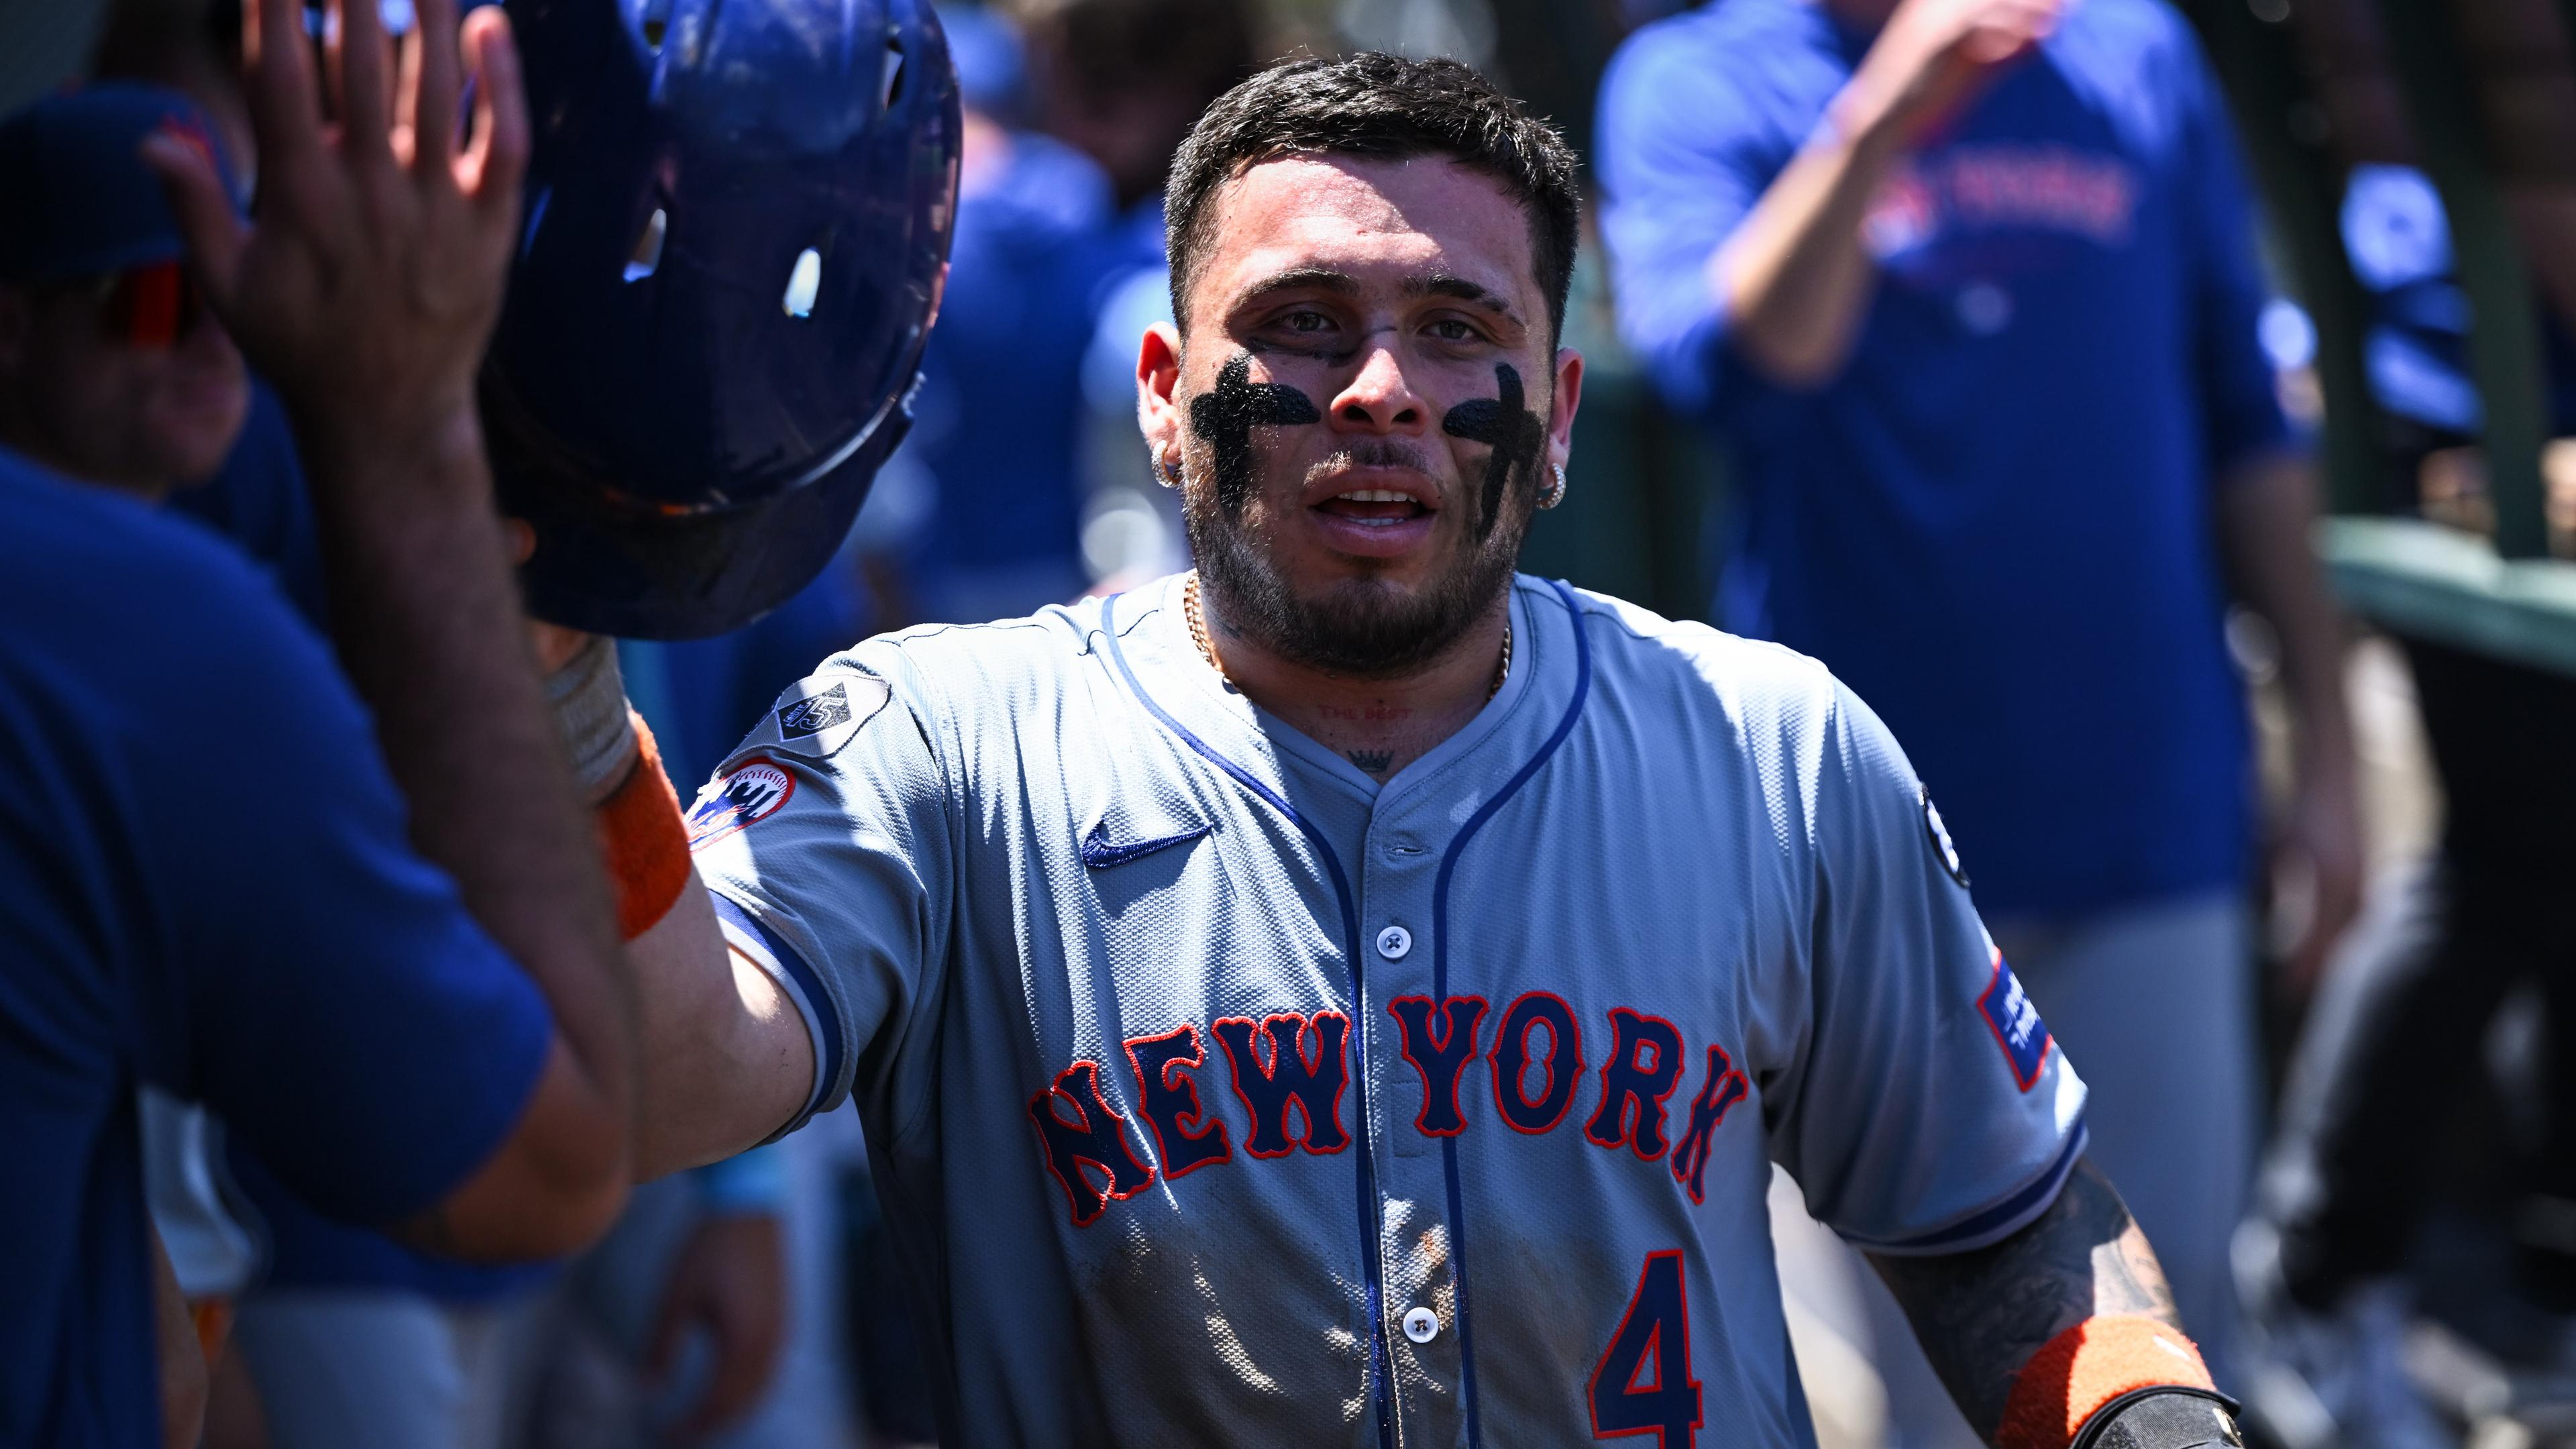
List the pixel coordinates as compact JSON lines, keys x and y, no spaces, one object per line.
{"x":996,"y":429}
{"x":1968,"y":290}
{"x":209,"y":876}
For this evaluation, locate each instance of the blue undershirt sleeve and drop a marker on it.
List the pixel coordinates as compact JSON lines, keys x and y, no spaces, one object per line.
{"x":342,"y":1012}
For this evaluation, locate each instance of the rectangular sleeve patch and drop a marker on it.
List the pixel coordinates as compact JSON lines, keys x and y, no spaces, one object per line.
{"x":2016,"y":1024}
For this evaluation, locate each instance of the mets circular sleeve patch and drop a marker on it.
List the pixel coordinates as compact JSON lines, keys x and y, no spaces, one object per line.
{"x":751,"y":792}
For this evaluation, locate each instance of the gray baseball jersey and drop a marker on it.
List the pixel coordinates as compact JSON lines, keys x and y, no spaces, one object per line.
{"x":1220,"y":1094}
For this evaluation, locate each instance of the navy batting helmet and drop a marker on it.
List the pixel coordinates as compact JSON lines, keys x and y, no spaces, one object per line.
{"x":736,"y":229}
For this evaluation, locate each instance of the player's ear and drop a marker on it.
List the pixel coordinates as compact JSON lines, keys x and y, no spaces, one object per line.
{"x":1560,"y":413}
{"x":1158,"y":385}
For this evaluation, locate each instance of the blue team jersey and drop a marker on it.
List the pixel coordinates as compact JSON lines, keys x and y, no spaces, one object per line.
{"x":999,"y":414}
{"x":1996,"y":522}
{"x":205,"y":883}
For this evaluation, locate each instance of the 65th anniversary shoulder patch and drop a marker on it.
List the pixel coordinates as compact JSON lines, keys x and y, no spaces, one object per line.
{"x":815,"y":717}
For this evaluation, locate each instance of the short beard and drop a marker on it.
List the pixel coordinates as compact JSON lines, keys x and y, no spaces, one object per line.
{"x":1358,"y":628}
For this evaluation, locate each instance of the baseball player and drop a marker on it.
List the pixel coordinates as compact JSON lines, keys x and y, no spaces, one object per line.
{"x":1353,"y":994}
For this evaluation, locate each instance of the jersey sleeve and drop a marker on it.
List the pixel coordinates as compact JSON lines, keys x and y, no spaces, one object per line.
{"x":1685,"y":151}
{"x":825,"y":840}
{"x":2239,"y":396}
{"x":334,"y":1003}
{"x":1931,"y":1112}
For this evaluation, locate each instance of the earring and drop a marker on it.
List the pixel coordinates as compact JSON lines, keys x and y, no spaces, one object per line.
{"x":1555,"y":495}
{"x":1166,"y":472}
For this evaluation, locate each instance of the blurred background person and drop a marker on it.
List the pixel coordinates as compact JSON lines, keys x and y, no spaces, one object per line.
{"x":115,"y":376}
{"x":1967,"y":289}
{"x":1022,"y":482}
{"x":982,"y":521}
{"x":1122,"y":81}
{"x":2425,"y":1167}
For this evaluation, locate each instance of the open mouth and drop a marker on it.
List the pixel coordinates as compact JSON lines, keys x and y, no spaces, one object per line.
{"x":1374,"y":507}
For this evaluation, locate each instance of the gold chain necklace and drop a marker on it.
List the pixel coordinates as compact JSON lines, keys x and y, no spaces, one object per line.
{"x":1207,"y":648}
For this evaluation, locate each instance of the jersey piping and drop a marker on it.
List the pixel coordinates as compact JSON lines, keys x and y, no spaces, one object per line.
{"x":746,"y":933}
{"x":1440,"y":987}
{"x":1991,"y":1225}
{"x":1380,"y":1371}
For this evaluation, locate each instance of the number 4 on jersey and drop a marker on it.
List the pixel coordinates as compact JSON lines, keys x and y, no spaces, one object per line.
{"x":1643,"y":1384}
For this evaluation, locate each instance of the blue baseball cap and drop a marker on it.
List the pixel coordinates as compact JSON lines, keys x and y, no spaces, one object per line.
{"x":79,"y":200}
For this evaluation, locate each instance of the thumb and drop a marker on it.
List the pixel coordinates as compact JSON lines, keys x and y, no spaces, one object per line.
{"x":213,"y":231}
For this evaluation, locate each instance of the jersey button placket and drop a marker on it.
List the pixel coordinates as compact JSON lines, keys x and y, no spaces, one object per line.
{"x":1394,"y":943}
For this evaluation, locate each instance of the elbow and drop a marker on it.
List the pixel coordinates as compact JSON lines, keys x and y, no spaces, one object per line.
{"x":527,"y":1212}
{"x":1806,"y":359}
{"x":575,"y":1208}
{"x":553,"y":1187}
{"x":1786,"y":337}
{"x":572,"y":1226}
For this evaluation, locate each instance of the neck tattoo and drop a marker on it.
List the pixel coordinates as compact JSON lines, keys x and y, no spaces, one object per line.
{"x":1192,"y":611}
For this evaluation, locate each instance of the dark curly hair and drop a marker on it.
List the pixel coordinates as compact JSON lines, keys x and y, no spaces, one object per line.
{"x":1384,"y":107}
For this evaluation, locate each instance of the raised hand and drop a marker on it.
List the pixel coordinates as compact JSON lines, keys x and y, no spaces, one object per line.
{"x":1934,"y":56}
{"x":368,"y":284}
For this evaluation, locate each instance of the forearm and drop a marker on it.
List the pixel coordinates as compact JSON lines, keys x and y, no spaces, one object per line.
{"x":429,"y":631}
{"x":723,"y":1058}
{"x":1980,"y":1316}
{"x":2267,"y":512}
{"x":182,"y":1357}
{"x":1795,"y":278}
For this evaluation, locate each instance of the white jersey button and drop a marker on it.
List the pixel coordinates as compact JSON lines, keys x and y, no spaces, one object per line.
{"x":1393,"y":942}
{"x":1421,"y":1325}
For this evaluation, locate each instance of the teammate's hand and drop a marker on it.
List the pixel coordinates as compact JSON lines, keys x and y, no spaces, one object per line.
{"x":730,"y":1282}
{"x":369,"y":282}
{"x":2316,"y":858}
{"x":1933,"y":57}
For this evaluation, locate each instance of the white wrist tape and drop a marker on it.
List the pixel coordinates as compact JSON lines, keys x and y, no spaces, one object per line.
{"x":589,"y":699}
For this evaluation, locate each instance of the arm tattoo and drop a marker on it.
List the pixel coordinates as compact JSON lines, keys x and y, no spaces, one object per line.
{"x":1981,"y":1315}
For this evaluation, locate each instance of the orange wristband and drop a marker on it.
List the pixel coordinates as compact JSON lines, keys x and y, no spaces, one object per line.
{"x":213,"y":1320}
{"x":2074,"y":1374}
{"x":644,"y":840}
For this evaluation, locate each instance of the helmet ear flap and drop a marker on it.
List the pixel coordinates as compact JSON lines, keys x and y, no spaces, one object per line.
{"x":725,"y":280}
